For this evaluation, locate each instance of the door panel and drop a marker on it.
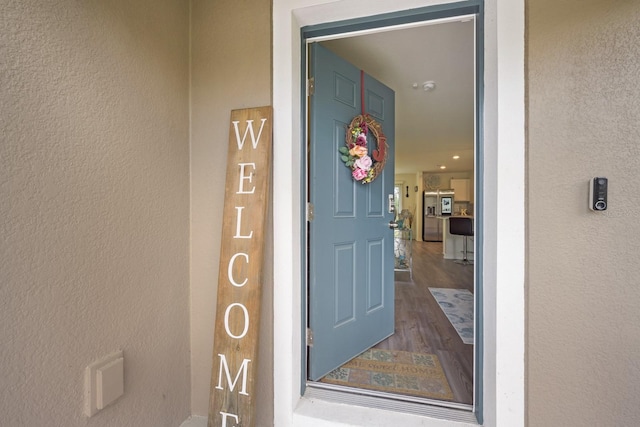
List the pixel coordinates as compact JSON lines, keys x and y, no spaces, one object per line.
{"x":351,"y":291}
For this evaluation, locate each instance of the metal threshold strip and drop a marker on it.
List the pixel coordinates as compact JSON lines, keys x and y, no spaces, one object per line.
{"x":392,"y":402}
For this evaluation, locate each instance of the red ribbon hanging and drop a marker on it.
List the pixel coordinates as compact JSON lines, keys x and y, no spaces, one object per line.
{"x":362,"y":90}
{"x":377,"y":154}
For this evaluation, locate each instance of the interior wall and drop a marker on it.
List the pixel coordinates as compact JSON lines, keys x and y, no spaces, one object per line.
{"x":583,"y":293}
{"x":446,"y":177}
{"x":231,"y":69}
{"x":410,"y":201}
{"x":94,"y":183}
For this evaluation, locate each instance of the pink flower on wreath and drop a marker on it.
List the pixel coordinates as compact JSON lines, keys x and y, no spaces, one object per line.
{"x":358,"y":151}
{"x":361,"y":139}
{"x":364,"y":163}
{"x":359,"y":174}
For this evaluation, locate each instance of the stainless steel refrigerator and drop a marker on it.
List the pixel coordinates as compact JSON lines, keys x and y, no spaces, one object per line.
{"x":437,"y":203}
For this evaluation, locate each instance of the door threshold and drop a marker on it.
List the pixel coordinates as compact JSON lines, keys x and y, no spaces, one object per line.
{"x":389,"y":401}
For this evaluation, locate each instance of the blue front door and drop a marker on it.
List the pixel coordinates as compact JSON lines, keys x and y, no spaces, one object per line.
{"x":351,"y":289}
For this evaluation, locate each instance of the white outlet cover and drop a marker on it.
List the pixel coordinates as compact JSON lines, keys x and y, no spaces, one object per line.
{"x":104,"y":382}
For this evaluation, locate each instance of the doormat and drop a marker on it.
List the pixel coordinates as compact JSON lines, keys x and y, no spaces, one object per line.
{"x":457,"y":305}
{"x":398,"y":372}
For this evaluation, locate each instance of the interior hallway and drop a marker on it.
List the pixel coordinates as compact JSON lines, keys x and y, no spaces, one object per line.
{"x":422,"y":327}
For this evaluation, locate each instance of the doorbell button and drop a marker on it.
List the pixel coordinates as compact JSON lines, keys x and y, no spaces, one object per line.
{"x":598,"y":193}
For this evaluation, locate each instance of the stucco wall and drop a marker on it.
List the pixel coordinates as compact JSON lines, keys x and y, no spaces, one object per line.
{"x":94,"y":208}
{"x":231,"y":69}
{"x":583,"y":269}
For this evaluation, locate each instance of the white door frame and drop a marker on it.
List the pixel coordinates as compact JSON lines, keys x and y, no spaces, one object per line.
{"x":503,"y":247}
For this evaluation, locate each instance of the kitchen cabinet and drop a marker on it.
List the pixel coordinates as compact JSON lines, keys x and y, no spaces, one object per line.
{"x":462,"y":189}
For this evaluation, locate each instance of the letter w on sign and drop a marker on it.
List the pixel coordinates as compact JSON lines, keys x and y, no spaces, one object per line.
{"x":236,"y":332}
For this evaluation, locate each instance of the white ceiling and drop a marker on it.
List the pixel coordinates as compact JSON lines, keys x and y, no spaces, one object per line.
{"x":431,"y":127}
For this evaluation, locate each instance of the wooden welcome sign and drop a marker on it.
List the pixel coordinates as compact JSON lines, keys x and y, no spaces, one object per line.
{"x":235,"y":346}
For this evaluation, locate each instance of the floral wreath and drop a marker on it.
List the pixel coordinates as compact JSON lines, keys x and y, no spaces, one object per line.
{"x":355,"y":154}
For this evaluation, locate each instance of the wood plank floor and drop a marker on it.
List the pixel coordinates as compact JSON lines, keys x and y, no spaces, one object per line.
{"x":422,"y":327}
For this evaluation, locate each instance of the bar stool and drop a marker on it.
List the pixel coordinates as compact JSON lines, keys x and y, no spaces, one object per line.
{"x":462,"y":226}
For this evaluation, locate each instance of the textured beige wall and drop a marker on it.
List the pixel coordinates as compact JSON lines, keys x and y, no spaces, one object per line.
{"x":583,"y":269}
{"x":94,"y":208}
{"x":231,"y":69}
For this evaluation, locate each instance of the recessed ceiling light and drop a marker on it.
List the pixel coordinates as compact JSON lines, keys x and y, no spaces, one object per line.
{"x":443,"y":167}
{"x":456,"y":157}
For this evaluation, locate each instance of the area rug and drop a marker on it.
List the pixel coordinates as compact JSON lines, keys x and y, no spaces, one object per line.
{"x":457,"y":305}
{"x":397,"y":372}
